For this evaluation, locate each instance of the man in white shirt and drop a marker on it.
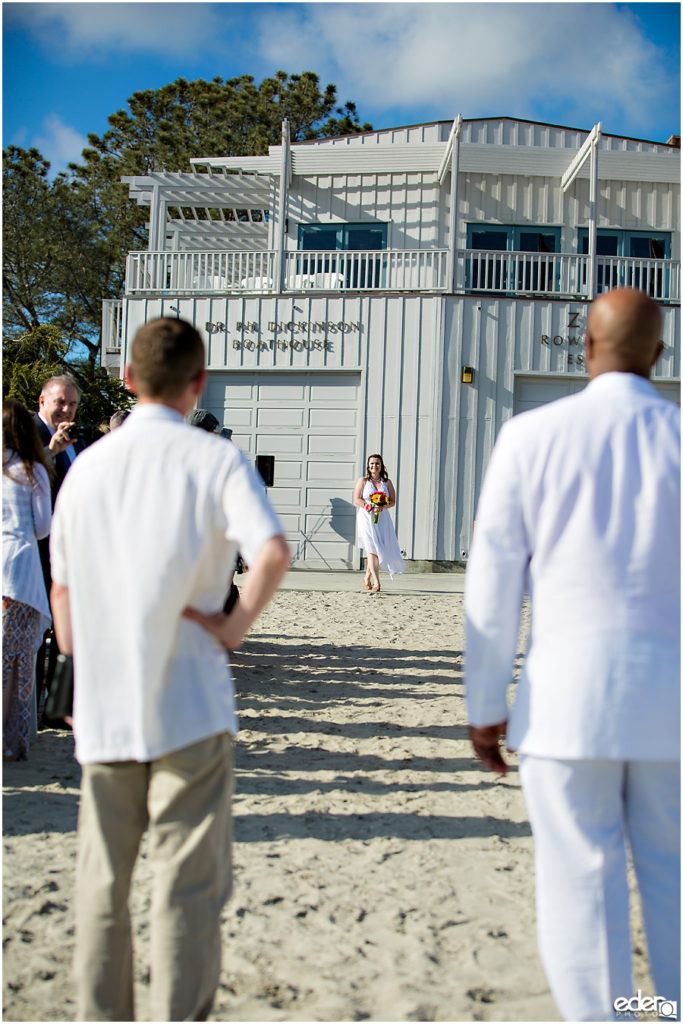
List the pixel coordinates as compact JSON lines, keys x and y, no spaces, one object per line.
{"x":144,"y":535}
{"x":581,"y":508}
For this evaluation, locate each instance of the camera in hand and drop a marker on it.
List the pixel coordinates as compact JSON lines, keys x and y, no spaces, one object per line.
{"x":83,"y":432}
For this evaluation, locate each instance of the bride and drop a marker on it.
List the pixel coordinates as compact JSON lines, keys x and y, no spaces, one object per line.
{"x":378,"y":540}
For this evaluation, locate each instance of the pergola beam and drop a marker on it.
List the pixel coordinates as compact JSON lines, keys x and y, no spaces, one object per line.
{"x":579,"y":160}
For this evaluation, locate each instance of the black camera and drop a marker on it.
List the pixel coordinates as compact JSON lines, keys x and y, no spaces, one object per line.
{"x":82,"y":432}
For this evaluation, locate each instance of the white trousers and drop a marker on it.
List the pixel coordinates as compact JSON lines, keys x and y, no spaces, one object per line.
{"x":583,"y":814}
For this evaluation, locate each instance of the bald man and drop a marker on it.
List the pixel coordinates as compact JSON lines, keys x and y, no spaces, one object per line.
{"x":580,"y":509}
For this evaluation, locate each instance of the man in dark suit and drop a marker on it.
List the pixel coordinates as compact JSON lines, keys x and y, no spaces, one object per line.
{"x":57,"y":406}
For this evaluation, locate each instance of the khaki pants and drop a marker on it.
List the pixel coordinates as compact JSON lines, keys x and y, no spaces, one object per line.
{"x":185,"y":799}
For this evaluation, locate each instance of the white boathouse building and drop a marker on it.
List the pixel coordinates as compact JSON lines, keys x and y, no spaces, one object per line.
{"x":402,"y":291}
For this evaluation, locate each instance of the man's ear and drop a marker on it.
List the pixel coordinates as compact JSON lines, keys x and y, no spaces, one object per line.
{"x":128,"y":378}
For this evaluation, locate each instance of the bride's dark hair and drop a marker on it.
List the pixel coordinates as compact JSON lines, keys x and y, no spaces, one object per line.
{"x":383,"y":475}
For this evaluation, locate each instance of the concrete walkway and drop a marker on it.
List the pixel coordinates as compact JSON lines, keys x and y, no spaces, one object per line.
{"x":313,"y":580}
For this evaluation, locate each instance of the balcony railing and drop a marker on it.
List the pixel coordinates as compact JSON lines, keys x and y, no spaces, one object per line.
{"x":197,"y":271}
{"x":477,"y":271}
{"x":112,"y":332}
{"x":402,"y":270}
{"x":522,"y":273}
{"x":560,"y":275}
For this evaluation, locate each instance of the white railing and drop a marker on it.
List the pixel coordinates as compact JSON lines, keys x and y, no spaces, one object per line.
{"x":521,"y":273}
{"x":112,"y":331}
{"x":563,"y":275}
{"x":197,"y":272}
{"x":477,"y":271}
{"x":402,"y":270}
{"x":659,"y":278}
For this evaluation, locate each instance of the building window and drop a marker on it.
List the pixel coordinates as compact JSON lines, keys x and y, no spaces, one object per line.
{"x":357,"y":273}
{"x":512,"y":274}
{"x":621,"y":250}
{"x":342,"y":237}
{"x":640,"y":245}
{"x":513,"y":238}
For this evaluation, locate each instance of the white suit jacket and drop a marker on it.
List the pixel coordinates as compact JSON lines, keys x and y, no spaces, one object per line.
{"x":581,"y":507}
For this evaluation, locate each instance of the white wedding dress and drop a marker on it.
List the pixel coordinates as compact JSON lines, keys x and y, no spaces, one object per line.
{"x":379,"y":538}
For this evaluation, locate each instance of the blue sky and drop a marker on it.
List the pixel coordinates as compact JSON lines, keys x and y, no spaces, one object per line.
{"x":67,"y":66}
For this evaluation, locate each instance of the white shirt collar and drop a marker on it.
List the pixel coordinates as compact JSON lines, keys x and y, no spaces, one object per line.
{"x":154,"y":411}
{"x":622,"y":381}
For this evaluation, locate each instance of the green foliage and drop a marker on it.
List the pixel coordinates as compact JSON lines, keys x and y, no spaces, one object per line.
{"x":65,"y":241}
{"x":30,"y":358}
{"x":64,"y":251}
{"x":167,"y":127}
{"x":101,"y":394}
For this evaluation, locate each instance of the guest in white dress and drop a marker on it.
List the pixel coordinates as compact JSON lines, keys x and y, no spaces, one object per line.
{"x":378,"y":540}
{"x":26,"y":517}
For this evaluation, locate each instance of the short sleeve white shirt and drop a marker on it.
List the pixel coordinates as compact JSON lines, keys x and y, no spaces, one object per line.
{"x":148,"y":521}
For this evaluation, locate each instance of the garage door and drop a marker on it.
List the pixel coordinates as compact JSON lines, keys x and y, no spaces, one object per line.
{"x":533,"y":391}
{"x":308,"y":424}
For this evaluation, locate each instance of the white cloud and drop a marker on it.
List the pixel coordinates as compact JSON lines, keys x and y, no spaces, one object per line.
{"x":59,"y":143}
{"x":476,"y":58}
{"x":72,"y":30}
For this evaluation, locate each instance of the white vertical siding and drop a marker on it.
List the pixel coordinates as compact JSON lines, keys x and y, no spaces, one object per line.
{"x":435,"y":433}
{"x":503,"y":339}
{"x":412,"y":205}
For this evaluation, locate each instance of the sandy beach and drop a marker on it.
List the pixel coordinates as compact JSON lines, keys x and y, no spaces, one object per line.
{"x":380,"y":873}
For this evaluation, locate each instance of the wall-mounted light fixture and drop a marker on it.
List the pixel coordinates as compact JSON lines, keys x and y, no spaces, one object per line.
{"x":467,"y":375}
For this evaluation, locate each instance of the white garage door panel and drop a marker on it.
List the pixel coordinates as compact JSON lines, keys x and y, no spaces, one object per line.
{"x":288,"y":495}
{"x":274,"y":444}
{"x":280,"y":418}
{"x":308,"y":422}
{"x":337,"y":390}
{"x":290,"y":523}
{"x":332,"y":418}
{"x":237,"y":392}
{"x":281,"y":392}
{"x":236,"y":417}
{"x":531,"y":392}
{"x":332,"y":471}
{"x":244,"y":442}
{"x":287,"y":472}
{"x":332,"y":522}
{"x":327,"y":551}
{"x":324,"y":495}
{"x":325,"y":444}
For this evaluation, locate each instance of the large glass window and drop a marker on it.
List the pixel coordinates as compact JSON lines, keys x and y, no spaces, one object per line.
{"x":357,"y":273}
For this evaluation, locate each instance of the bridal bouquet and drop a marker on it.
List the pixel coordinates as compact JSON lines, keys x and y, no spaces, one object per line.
{"x":378,"y":500}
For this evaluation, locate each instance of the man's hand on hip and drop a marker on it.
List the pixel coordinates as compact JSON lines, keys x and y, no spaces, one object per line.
{"x":263,"y":579}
